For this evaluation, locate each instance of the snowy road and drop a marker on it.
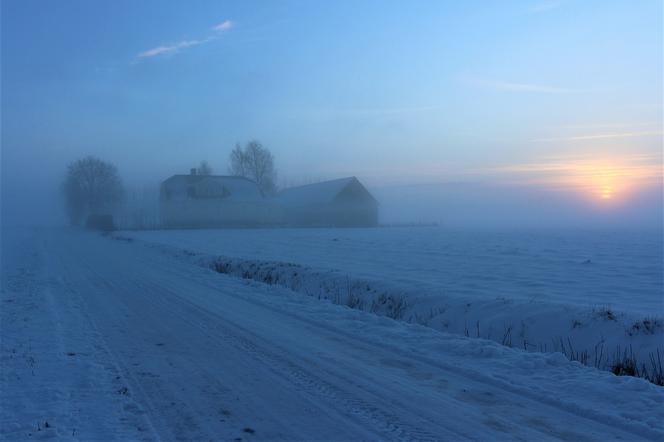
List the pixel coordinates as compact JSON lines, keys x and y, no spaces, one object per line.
{"x":105,"y":339}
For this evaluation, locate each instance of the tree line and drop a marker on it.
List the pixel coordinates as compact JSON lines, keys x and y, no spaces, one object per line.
{"x":93,"y":188}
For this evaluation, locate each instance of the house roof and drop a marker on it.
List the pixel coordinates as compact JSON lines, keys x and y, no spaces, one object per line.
{"x":239,"y":187}
{"x":317,"y":193}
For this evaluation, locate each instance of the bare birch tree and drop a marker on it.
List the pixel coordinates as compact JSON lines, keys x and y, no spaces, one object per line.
{"x":256,"y":163}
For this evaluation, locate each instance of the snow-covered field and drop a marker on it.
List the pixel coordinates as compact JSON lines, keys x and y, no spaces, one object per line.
{"x":594,"y":296}
{"x":620,"y":270}
{"x":105,"y":339}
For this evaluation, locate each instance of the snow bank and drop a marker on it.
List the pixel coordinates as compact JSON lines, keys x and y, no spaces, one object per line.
{"x":598,"y":337}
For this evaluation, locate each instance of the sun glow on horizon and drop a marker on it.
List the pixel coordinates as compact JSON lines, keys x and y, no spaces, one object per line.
{"x":605,"y":181}
{"x":607,"y":192}
{"x":604,"y":178}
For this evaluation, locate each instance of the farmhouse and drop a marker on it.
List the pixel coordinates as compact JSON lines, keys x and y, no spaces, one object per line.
{"x":198,"y":201}
{"x":343,"y":202}
{"x":195,"y":201}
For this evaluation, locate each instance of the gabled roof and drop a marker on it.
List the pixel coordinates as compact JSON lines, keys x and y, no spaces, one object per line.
{"x":239,"y":187}
{"x":317,"y":193}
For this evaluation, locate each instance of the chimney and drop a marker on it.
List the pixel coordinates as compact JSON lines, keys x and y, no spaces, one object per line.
{"x":192,"y":171}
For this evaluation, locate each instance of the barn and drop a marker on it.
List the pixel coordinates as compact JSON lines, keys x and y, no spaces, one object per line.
{"x":203,"y":201}
{"x":197,"y":201}
{"x":343,"y":202}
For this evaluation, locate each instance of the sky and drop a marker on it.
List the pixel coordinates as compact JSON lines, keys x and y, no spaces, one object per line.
{"x":466,"y":113}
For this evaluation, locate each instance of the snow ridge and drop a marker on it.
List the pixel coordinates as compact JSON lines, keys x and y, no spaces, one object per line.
{"x":598,"y":337}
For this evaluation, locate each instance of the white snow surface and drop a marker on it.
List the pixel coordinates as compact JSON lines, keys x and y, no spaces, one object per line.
{"x":621,"y":270}
{"x":590,"y":295}
{"x":124,"y":340}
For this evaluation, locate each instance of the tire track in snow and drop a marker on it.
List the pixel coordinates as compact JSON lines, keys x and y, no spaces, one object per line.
{"x":388,"y":423}
{"x":120,"y":367}
{"x":185,"y":426}
{"x":152,"y":295}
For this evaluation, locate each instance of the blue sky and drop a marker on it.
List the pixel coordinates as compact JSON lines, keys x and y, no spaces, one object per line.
{"x":522,"y":93}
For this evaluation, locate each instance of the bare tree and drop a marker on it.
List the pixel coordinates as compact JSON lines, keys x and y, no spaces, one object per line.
{"x":204,"y":168}
{"x":238,"y":161}
{"x":91,"y":187}
{"x":256,"y":163}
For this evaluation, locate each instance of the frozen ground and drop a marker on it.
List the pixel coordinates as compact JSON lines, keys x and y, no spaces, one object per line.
{"x":105,"y":339}
{"x":597,"y":297}
{"x":589,"y":269}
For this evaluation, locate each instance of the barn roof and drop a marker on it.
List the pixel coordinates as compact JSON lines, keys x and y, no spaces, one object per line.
{"x":317,"y":193}
{"x":239,"y":187}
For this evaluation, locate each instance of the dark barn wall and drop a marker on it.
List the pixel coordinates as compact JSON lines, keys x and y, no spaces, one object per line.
{"x":354,"y":215}
{"x":355,"y":207}
{"x":203,"y":213}
{"x":355,"y":193}
{"x":334,"y":215}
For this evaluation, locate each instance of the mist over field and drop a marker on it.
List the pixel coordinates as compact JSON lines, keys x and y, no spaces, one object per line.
{"x":467,"y":205}
{"x":439,"y":127}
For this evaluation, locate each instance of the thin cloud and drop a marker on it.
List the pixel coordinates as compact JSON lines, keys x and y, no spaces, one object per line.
{"x":574,"y":163}
{"x":223,"y":26}
{"x":385,"y":111}
{"x":545,"y":6}
{"x":352,"y":113}
{"x":582,"y":172}
{"x":171,"y":49}
{"x":529,"y":87}
{"x":610,"y":125}
{"x":507,"y":86}
{"x":174,"y":48}
{"x":602,"y":136}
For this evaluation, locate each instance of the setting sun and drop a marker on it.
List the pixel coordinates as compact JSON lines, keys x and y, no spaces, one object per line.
{"x":611,"y":180}
{"x":602,"y":179}
{"x":607,"y":192}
